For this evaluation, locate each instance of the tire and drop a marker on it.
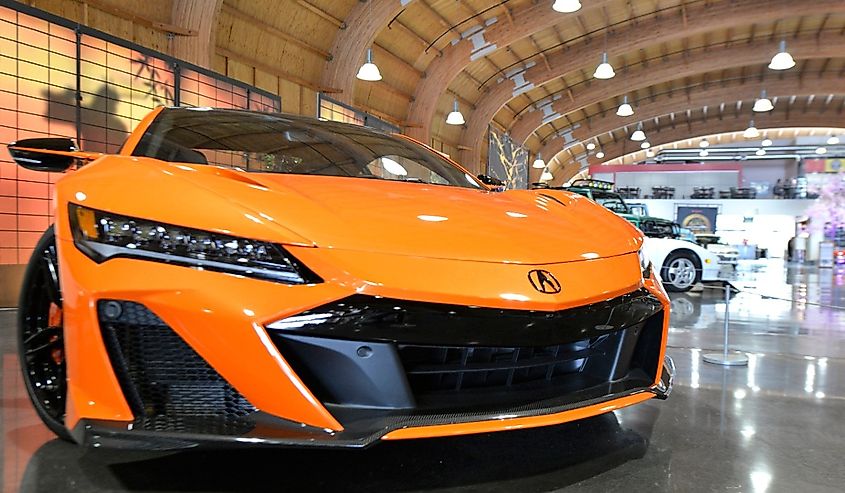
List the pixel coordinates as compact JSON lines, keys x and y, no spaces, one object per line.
{"x":681,"y":271}
{"x":41,"y":336}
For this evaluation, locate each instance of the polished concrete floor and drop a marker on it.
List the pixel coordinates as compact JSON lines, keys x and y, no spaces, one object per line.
{"x":777,"y":425}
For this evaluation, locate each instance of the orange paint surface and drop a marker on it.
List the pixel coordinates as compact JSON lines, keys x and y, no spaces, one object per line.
{"x":427,"y":243}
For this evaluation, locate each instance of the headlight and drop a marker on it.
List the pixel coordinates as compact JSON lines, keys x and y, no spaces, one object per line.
{"x":645,"y":264}
{"x":103,"y":236}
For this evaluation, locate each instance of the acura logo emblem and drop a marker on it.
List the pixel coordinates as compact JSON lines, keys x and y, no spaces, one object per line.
{"x":544,"y":282}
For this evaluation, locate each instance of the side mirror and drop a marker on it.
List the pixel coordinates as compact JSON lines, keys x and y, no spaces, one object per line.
{"x":44,"y":154}
{"x":489,"y":180}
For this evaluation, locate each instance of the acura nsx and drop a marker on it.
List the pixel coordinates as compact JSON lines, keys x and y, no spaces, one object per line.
{"x":233,"y":277}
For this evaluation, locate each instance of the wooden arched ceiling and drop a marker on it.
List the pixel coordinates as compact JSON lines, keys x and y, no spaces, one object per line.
{"x":705,"y":90}
{"x":715,"y":102}
{"x":199,"y":16}
{"x":801,"y":112}
{"x":581,"y":89}
{"x":431,"y":52}
{"x":498,"y":33}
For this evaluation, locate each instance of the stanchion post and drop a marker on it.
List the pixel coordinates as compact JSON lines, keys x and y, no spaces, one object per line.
{"x":725,"y":358}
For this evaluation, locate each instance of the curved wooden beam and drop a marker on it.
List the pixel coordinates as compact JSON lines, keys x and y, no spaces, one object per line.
{"x":746,"y":90}
{"x":679,"y":101}
{"x":703,"y":18}
{"x":808,"y":47}
{"x":810,"y":117}
{"x":199,"y":16}
{"x":479,"y":40}
{"x":364,"y":22}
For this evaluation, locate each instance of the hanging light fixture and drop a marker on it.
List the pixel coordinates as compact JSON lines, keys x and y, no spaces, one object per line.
{"x":766,"y":142}
{"x":604,"y":69}
{"x":645,"y":145}
{"x":600,"y":155}
{"x":369,"y":71}
{"x":821,"y":150}
{"x":833,"y":140}
{"x":751,"y":132}
{"x":547,"y":175}
{"x":704,"y":143}
{"x":760,"y":152}
{"x":703,"y":153}
{"x":591,"y":146}
{"x":763,"y":104}
{"x":782,"y":60}
{"x":638,"y":135}
{"x":539,"y":163}
{"x":566,"y":6}
{"x":625,"y":109}
{"x":455,"y":117}
{"x":649,"y":153}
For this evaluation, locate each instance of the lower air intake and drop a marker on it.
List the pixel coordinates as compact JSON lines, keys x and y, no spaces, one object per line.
{"x":166,"y":383}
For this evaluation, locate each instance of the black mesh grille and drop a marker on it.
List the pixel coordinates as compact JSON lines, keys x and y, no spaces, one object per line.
{"x":433,"y":368}
{"x":167,"y":384}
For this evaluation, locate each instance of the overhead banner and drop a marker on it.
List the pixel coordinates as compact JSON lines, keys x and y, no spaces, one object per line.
{"x":832,"y":165}
{"x":507,"y":161}
{"x":697,"y":219}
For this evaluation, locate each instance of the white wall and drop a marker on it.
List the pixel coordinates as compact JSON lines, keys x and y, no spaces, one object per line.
{"x":767,"y":223}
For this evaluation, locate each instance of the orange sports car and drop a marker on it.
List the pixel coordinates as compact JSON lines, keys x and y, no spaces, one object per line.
{"x":234,"y":277}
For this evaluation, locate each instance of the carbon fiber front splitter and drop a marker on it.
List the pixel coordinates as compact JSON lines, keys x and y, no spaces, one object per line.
{"x":269,"y":431}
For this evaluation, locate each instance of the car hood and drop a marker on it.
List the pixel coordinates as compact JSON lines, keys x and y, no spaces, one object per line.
{"x":530,"y":227}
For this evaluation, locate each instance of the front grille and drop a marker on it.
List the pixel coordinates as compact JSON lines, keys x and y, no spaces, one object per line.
{"x":438,"y":361}
{"x":166,"y":383}
{"x":433,"y":368}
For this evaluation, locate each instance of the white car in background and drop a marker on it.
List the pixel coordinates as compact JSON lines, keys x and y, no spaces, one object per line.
{"x":681,"y":264}
{"x":728,"y":255}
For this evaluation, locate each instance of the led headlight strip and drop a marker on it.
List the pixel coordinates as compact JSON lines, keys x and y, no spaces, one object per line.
{"x":102,"y":236}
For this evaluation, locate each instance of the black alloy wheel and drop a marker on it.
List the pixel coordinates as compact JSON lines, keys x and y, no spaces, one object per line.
{"x":41,"y":336}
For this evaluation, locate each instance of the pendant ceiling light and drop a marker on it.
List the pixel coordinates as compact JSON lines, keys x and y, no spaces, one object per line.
{"x":704,"y":143}
{"x":703,"y":153}
{"x":763,"y":104}
{"x":645,"y":145}
{"x":604,"y":70}
{"x":834,"y":140}
{"x":547,"y":175}
{"x":369,"y":71}
{"x":638,"y":135}
{"x":591,"y":146}
{"x":649,"y":153}
{"x":455,"y":117}
{"x":760,"y":152}
{"x":821,"y":150}
{"x":766,"y":142}
{"x":566,"y":6}
{"x":625,"y":109}
{"x":539,"y":163}
{"x":751,"y":132}
{"x":600,"y":154}
{"x":782,"y":60}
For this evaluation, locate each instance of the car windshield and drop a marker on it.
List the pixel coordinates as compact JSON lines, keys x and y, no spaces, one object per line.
{"x":612,"y":201}
{"x":275,"y":143}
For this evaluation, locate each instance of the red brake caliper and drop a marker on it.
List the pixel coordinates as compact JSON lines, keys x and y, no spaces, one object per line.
{"x":55,"y":320}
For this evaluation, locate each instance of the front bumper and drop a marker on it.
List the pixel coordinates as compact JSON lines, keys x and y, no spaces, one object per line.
{"x":228,"y":332}
{"x":383,"y":382}
{"x":269,"y":431}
